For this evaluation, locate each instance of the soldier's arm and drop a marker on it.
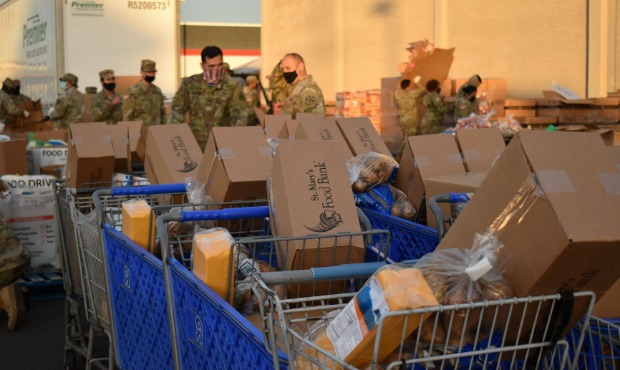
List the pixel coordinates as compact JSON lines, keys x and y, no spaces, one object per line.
{"x":163,"y":111}
{"x":440,"y":105}
{"x":129,"y":107}
{"x":99,"y":110}
{"x":311,"y":101}
{"x":10,"y":107}
{"x":238,"y":108}
{"x":60,"y":109}
{"x":180,"y":104}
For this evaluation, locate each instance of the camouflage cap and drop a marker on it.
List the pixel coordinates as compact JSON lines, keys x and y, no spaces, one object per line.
{"x":148,"y":66}
{"x":106,"y":73}
{"x":250,"y":79}
{"x":69,"y":77}
{"x":91,"y":90}
{"x":17,"y":83}
{"x":7,"y":82}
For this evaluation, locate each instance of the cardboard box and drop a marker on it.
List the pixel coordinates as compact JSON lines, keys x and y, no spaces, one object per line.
{"x":520,"y":108}
{"x":120,"y":142}
{"x":141,"y":146}
{"x":13,"y":159}
{"x":309,"y":193}
{"x":48,"y":160}
{"x":172,"y":153}
{"x":302,"y":116}
{"x":260,"y":115}
{"x":90,"y":159}
{"x":35,"y":110}
{"x":560,"y":192}
{"x":275,"y":125}
{"x":426,"y":156}
{"x":607,"y":306}
{"x":361,"y":136}
{"x":235,"y":164}
{"x":291,"y":128}
{"x":548,"y":107}
{"x":134,"y":130}
{"x":323,"y":129}
{"x":388,"y":87}
{"x":480,"y":147}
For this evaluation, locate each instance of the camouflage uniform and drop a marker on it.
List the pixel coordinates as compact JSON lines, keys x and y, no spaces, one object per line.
{"x":144,"y":104}
{"x":304,"y":96}
{"x":473,"y":81}
{"x":209,"y":106}
{"x":250,"y":96}
{"x":69,"y":108}
{"x":463,"y":108}
{"x":8,"y":109}
{"x":407,"y":102}
{"x":14,"y":259}
{"x":278,"y":86}
{"x":433,"y":117}
{"x":101,"y":108}
{"x":19,"y":98}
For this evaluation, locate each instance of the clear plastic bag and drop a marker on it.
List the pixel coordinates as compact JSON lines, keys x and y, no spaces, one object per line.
{"x":371,"y":169}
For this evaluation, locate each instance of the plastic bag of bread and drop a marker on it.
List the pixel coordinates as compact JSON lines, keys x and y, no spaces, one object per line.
{"x":351,"y":335}
{"x":459,"y":276}
{"x":401,"y":206}
{"x":371,"y":169}
{"x":386,"y":199}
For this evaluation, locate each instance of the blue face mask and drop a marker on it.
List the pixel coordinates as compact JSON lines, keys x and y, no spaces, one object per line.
{"x":63,"y":85}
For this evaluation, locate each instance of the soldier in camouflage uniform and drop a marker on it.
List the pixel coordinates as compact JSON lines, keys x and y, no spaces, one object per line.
{"x":212,"y":98}
{"x":8,"y":109}
{"x":474,"y":81}
{"x":406,"y":98}
{"x":467,"y":104}
{"x":144,"y":101}
{"x":304,"y":95}
{"x":16,"y":94}
{"x":432,"y":121}
{"x":69,"y":107}
{"x":249,"y":91}
{"x":106,"y":105}
{"x":278,"y":86}
{"x":14,"y":261}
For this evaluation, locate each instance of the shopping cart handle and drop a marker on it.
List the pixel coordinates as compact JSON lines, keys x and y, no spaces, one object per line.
{"x":459,"y":197}
{"x":226,"y":214}
{"x":149,"y":189}
{"x":350,"y":271}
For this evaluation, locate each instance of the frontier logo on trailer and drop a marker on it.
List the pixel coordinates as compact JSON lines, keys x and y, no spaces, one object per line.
{"x":87,"y":8}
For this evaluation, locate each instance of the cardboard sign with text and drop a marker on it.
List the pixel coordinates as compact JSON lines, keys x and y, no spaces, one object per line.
{"x":90,"y":160}
{"x":172,"y":153}
{"x":235,"y":164}
{"x":309,"y":193}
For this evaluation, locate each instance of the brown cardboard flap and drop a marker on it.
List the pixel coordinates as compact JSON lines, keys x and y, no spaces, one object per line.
{"x":480,"y":147}
{"x":92,"y":140}
{"x":323,"y":129}
{"x":291,"y":128}
{"x":120,"y":140}
{"x":260,"y":114}
{"x":276,"y":128}
{"x":436,"y":155}
{"x":362,"y":136}
{"x":302,"y":116}
{"x":435,"y":66}
{"x":173,"y":152}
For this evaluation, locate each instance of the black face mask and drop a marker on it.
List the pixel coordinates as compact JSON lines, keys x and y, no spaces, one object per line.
{"x":6,"y":89}
{"x":472,"y":99}
{"x":110,"y":87}
{"x":290,"y":77}
{"x":439,"y":91}
{"x":16,"y":90}
{"x":149,"y":79}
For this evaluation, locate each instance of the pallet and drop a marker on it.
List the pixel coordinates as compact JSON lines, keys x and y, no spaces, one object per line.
{"x":46,"y":286}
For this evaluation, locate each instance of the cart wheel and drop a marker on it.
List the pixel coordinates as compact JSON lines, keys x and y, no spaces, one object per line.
{"x":70,"y":361}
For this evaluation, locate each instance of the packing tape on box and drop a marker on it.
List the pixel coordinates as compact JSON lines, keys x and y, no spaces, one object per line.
{"x":555,"y":181}
{"x":226,"y":153}
{"x":105,"y":138}
{"x":265,"y":151}
{"x":455,"y":158}
{"x":471,"y":155}
{"x":611,"y":182}
{"x":518,"y":206}
{"x":421,"y":161}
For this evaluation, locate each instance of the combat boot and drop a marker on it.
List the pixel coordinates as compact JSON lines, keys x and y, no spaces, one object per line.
{"x":12,"y":301}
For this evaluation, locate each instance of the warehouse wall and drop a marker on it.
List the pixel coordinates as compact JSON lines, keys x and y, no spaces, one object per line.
{"x":350,"y":45}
